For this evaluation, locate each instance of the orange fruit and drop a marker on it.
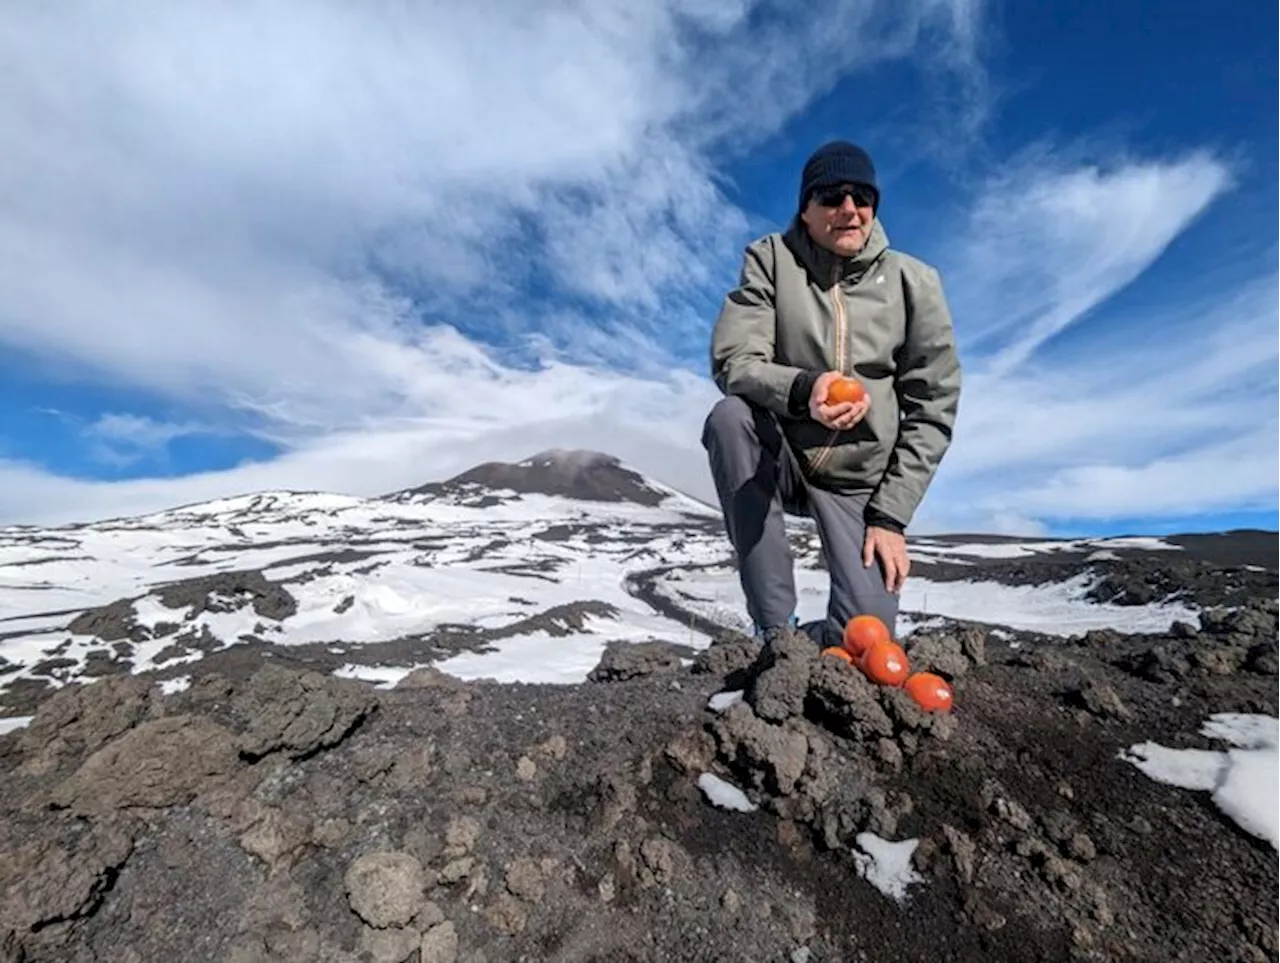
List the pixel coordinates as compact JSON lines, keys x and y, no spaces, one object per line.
{"x":845,"y":389}
{"x":931,"y":692}
{"x":885,"y":663}
{"x":862,"y":632}
{"x":838,"y":652}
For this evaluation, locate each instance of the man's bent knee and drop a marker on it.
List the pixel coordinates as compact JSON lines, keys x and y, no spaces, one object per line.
{"x":731,"y":415}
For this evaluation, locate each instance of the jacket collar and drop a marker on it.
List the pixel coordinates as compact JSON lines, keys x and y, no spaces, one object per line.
{"x":826,"y":267}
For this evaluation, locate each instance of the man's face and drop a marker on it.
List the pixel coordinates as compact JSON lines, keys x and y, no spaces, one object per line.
{"x":839,"y":218}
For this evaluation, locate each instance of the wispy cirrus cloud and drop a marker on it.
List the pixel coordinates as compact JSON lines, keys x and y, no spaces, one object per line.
{"x":124,"y":439}
{"x":1047,"y":243}
{"x":1131,"y":421}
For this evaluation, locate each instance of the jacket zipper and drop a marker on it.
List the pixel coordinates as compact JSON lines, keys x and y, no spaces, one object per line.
{"x":838,"y":303}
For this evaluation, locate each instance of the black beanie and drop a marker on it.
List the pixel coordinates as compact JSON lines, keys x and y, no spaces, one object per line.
{"x":838,"y":162}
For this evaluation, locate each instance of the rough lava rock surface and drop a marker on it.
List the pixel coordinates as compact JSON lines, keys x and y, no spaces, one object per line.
{"x":281,"y":814}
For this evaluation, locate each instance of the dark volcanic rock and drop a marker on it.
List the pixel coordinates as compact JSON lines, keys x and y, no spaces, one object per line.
{"x":103,"y":662}
{"x":222,"y":592}
{"x":1142,"y":581}
{"x":1135,"y":578}
{"x":1254,"y":622}
{"x":772,"y":756}
{"x":780,"y":681}
{"x":297,"y":713}
{"x":79,"y":718}
{"x":1101,"y":700}
{"x":841,"y":699}
{"x":586,"y":475}
{"x":728,"y":653}
{"x":413,"y":834}
{"x":949,"y":654}
{"x":1159,"y":664}
{"x":229,"y":592}
{"x":1220,"y":659}
{"x":429,"y":677}
{"x":630,"y":660}
{"x":60,"y":875}
{"x":557,"y":620}
{"x":161,"y":762}
{"x":111,"y":623}
{"x":1230,"y":641}
{"x":1262,"y":660}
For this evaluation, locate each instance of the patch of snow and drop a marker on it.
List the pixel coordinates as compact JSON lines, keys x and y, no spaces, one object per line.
{"x":886,"y":865}
{"x":923,"y":548}
{"x":14,"y":723}
{"x":534,"y":657}
{"x":36,"y":624}
{"x":725,"y":794}
{"x":1248,"y":792}
{"x":28,"y":650}
{"x":383,"y":676}
{"x":150,"y":612}
{"x":287,"y":572}
{"x":1055,"y":608}
{"x":181,"y":684}
{"x":1244,"y":781}
{"x":722,"y":700}
{"x":988,"y":550}
{"x":1143,"y":543}
{"x":1185,"y":768}
{"x":910,"y":622}
{"x":1247,"y":730}
{"x":1102,"y":555}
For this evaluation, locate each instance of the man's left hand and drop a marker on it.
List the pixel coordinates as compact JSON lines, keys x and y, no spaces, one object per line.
{"x":891,"y":548}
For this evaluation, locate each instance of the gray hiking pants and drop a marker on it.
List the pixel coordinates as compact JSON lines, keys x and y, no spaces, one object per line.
{"x":758,"y":480}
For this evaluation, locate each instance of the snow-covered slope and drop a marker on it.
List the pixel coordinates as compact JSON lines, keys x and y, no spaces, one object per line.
{"x":517,"y":572}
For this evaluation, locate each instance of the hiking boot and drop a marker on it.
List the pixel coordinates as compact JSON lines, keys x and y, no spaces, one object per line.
{"x":768,"y":634}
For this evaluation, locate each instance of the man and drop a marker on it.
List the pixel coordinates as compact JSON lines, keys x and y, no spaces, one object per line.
{"x":826,"y":298}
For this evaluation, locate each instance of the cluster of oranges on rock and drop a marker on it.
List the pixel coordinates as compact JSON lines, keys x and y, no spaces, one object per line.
{"x":869,"y":646}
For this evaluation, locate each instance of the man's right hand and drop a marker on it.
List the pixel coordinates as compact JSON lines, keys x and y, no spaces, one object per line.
{"x":840,"y":417}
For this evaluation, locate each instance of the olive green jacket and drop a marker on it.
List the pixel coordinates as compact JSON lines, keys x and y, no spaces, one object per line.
{"x":882,"y":317}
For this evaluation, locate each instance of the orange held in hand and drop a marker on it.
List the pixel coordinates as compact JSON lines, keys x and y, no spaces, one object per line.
{"x":845,"y":389}
{"x":862,"y":632}
{"x":839,"y":653}
{"x":885,"y":663}
{"x":930,"y":692}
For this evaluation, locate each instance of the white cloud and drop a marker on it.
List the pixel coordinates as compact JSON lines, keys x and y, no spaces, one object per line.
{"x":653,"y":425}
{"x":136,"y":431}
{"x":1045,"y":244}
{"x":286,"y":214}
{"x":1165,"y":410}
{"x":288,"y":210}
{"x":122,"y":439}
{"x":1184,"y":421}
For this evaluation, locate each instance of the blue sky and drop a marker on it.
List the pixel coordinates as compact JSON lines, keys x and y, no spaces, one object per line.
{"x":354,"y":247}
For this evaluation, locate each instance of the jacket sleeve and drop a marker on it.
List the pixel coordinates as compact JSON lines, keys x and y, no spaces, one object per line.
{"x":742,"y":342}
{"x":928,"y":389}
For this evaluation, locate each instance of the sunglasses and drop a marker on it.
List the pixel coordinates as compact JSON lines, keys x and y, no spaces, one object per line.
{"x":834,"y":196}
